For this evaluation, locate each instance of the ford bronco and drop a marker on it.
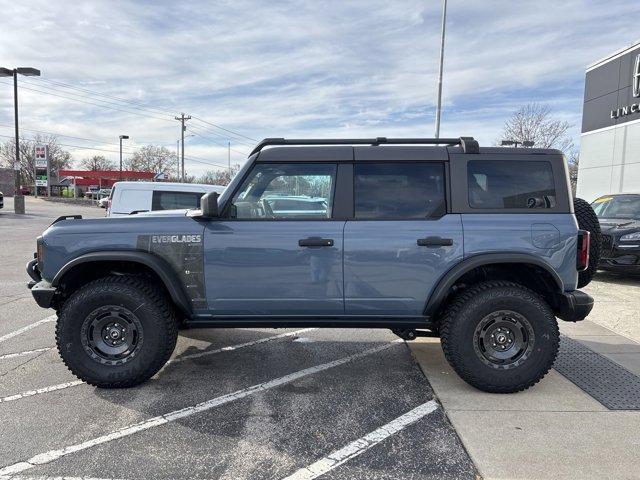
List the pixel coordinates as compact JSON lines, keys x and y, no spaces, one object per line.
{"x":438,"y":237}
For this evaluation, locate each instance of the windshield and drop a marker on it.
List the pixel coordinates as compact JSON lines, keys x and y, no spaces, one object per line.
{"x":618,"y":206}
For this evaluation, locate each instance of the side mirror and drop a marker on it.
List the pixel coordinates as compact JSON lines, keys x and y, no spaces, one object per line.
{"x":209,"y":205}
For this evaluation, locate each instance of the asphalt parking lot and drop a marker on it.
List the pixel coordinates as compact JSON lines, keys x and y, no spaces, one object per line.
{"x":250,"y":403}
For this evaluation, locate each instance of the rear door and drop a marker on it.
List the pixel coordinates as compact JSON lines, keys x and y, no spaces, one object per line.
{"x":401,"y":240}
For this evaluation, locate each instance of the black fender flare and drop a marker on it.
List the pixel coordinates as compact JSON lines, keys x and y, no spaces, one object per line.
{"x":158,"y":265}
{"x":442,"y":288}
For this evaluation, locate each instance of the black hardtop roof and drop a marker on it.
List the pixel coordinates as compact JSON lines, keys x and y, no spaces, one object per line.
{"x":381,"y":148}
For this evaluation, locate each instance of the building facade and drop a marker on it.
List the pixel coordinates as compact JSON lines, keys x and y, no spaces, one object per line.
{"x":610,"y":142}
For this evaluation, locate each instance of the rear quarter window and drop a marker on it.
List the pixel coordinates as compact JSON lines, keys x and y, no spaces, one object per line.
{"x":510,"y":184}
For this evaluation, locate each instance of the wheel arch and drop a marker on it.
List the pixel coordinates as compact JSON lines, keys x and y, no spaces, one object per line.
{"x":443,"y":288}
{"x":147,"y":261}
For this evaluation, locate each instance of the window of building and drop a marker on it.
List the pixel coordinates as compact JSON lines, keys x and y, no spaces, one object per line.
{"x":502,"y":184}
{"x":397,"y":190}
{"x":286,"y":191}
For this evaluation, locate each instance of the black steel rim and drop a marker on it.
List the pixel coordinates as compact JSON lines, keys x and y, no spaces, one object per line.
{"x":503,"y":339}
{"x":112,"y":335}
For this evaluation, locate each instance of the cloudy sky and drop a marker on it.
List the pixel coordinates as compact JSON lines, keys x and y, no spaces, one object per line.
{"x":294,"y":68}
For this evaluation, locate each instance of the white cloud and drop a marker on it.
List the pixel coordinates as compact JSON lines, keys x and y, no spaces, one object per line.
{"x":299,"y":68}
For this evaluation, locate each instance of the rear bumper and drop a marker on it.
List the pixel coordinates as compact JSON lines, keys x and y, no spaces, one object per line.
{"x":574,"y":306}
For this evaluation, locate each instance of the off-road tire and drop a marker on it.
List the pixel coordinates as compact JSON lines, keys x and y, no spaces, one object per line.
{"x":155,"y":316}
{"x":466,"y":312}
{"x":587,"y":220}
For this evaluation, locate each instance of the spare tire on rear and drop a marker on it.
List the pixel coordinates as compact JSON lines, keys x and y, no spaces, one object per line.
{"x":587,"y":220}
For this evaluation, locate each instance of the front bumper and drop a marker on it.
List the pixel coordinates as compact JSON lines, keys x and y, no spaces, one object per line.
{"x":619,"y":256}
{"x":574,"y":306}
{"x":41,"y":290}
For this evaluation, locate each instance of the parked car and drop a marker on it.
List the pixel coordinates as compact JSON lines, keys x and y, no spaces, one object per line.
{"x":285,"y":206}
{"x":619,"y":216}
{"x":25,"y":190}
{"x":128,"y":197}
{"x":1,"y":200}
{"x":479,"y":246}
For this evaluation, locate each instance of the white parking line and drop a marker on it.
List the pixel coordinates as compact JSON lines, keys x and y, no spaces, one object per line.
{"x":31,"y":393}
{"x":240,"y":345}
{"x":62,"y":386}
{"x":25,"y":353}
{"x":361,"y":445}
{"x":51,"y":318}
{"x":52,"y":455}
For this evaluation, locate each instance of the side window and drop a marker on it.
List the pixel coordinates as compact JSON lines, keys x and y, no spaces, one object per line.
{"x":286,"y":190}
{"x":168,"y":200}
{"x":397,"y":190}
{"x":504,"y":184}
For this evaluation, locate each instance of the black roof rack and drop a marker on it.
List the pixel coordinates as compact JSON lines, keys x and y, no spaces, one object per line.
{"x":468,"y":144}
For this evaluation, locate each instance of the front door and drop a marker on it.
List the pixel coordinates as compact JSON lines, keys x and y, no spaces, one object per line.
{"x":278,"y":252}
{"x":401,"y":240}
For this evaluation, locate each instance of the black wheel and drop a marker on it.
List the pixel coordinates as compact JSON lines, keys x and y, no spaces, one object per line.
{"x":499,"y":337}
{"x":117,"y":331}
{"x":587,"y":220}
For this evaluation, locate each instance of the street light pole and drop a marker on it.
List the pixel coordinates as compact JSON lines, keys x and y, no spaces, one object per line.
{"x":18,"y":198}
{"x":439,"y":107}
{"x":122,"y":137}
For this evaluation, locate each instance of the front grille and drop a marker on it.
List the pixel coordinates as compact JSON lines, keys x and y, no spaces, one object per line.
{"x":607,"y":246}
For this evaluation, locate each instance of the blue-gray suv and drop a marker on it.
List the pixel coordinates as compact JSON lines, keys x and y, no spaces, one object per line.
{"x":482,"y":247}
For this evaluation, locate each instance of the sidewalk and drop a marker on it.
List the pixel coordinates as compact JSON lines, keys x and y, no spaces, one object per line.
{"x":553,"y":430}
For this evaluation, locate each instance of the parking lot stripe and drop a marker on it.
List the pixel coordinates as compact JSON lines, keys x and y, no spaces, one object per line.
{"x":25,"y":353}
{"x":52,"y":455}
{"x":51,"y":318}
{"x":62,"y":386}
{"x":240,"y":345}
{"x":361,"y":445}
{"x":31,"y":393}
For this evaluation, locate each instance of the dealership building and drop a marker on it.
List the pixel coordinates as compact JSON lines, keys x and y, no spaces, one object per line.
{"x":610,"y":143}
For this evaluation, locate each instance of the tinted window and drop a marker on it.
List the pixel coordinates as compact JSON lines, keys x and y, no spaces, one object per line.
{"x":504,"y":184}
{"x":399,"y":190}
{"x":167,"y":200}
{"x":288,"y":190}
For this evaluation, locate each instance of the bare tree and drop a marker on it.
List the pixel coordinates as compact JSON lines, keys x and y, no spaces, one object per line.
{"x":58,"y":157}
{"x":152,"y":158}
{"x":573,"y":159}
{"x":219,"y":177}
{"x":97,"y":162}
{"x":534,"y":123}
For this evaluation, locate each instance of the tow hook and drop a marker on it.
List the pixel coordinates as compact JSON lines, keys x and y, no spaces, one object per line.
{"x":412,"y":333}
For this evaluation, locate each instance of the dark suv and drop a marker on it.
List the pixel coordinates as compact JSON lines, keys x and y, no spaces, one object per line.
{"x":619,"y":217}
{"x":479,"y":246}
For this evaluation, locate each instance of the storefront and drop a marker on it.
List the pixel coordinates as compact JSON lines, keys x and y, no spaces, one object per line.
{"x":610,"y":143}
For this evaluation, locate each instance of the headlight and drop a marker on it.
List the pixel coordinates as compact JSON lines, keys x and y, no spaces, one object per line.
{"x":630,"y":237}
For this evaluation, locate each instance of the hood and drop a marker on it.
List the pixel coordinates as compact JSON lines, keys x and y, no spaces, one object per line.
{"x":619,"y":225}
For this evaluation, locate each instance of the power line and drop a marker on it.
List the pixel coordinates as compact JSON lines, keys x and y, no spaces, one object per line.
{"x":128,"y":102}
{"x":244,"y":154}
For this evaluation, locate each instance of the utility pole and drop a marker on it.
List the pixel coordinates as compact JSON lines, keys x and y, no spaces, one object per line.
{"x":178,"y":157}
{"x":122,"y":137}
{"x":439,"y":107}
{"x":183,"y":119}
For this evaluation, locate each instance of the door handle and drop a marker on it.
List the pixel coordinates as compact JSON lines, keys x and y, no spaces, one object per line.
{"x":315,"y":242}
{"x":434,"y":242}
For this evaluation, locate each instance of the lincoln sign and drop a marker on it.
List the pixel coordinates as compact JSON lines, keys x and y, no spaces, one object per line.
{"x":635,"y":85}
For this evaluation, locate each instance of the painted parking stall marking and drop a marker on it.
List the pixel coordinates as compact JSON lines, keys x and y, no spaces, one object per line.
{"x":361,"y":445}
{"x":51,"y":318}
{"x":25,"y":353}
{"x":52,"y":455}
{"x":230,"y":348}
{"x":38,"y":391}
